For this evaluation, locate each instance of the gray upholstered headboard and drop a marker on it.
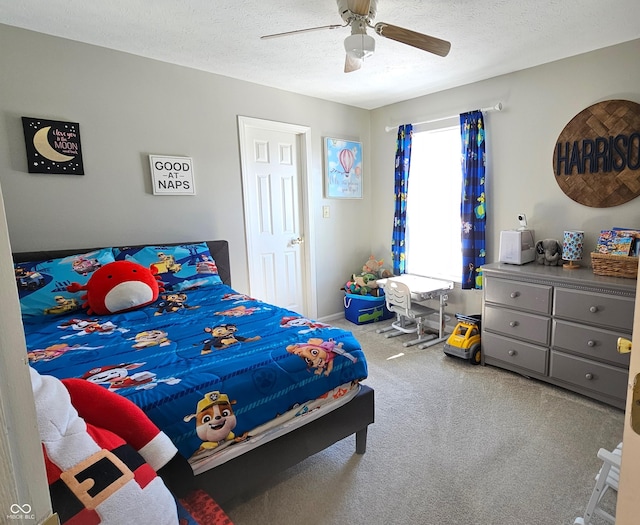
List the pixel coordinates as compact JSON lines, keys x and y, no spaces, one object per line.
{"x":219,"y":250}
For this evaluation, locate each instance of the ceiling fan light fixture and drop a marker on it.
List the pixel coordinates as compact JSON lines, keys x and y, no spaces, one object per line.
{"x":360,"y":45}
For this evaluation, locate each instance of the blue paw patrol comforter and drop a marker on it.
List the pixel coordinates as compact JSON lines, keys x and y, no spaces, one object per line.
{"x":208,"y":365}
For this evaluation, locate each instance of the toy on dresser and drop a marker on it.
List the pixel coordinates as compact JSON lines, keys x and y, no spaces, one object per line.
{"x":549,"y":252}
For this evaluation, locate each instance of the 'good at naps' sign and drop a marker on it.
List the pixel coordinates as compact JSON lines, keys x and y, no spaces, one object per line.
{"x":172,"y":175}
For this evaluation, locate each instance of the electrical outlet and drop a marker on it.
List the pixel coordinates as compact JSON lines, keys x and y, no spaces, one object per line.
{"x":325,"y":212}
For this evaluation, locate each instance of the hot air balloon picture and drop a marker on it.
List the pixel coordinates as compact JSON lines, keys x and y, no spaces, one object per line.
{"x":53,"y":146}
{"x":343,"y":169}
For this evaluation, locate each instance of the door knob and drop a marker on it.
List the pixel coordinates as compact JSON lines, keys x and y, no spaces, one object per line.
{"x":624,"y":345}
{"x":298,"y":240}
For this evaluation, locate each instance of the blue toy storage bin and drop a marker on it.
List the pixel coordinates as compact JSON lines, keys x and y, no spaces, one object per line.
{"x":363,"y":309}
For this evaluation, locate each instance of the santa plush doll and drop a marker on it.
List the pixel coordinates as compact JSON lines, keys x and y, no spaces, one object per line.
{"x":102,"y":455}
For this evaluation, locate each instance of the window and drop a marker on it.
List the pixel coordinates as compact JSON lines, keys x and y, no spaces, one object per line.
{"x":433,"y":246}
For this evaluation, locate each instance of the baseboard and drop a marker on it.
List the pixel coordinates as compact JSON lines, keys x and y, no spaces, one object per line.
{"x":332,"y":317}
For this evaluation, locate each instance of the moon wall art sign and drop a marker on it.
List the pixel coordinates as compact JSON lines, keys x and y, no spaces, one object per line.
{"x":596,"y":160}
{"x":53,"y":146}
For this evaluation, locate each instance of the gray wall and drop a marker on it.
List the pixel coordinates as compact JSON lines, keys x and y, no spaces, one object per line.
{"x":129,"y":107}
{"x":538,"y":103}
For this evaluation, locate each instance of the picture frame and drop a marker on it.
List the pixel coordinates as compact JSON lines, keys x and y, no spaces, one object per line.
{"x":343,"y":168}
{"x":53,"y":146}
{"x":172,"y":175}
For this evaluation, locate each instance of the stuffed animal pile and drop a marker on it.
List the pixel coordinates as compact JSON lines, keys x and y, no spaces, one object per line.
{"x":366,"y":282}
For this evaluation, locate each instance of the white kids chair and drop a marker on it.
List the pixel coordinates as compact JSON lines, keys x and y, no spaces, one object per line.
{"x":409,"y":315}
{"x":607,"y":478}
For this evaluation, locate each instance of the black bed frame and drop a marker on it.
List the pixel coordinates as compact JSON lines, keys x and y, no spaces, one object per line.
{"x":252,"y":470}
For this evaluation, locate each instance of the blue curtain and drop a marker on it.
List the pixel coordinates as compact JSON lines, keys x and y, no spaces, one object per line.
{"x":403,"y":161}
{"x":473,"y":213}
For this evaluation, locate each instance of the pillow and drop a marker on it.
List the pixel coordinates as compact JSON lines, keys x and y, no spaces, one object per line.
{"x":42,"y":285}
{"x":180,"y":267}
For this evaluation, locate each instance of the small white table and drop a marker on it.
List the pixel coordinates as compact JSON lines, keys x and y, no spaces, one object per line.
{"x":423,"y":289}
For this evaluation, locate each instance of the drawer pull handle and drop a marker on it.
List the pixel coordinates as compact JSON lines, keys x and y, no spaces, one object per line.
{"x":513,"y":324}
{"x":515,"y":294}
{"x":512,"y":352}
{"x":591,"y":343}
{"x":589,"y":376}
{"x":593,"y":309}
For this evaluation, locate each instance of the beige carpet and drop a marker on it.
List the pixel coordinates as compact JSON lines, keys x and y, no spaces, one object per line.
{"x":452,"y":444}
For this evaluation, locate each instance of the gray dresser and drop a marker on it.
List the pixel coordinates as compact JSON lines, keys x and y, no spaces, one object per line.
{"x":559,"y":326}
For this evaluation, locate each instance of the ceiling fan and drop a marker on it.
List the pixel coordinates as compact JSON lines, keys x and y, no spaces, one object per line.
{"x":359,"y":14}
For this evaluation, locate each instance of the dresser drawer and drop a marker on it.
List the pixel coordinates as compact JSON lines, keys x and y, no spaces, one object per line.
{"x":598,"y":377}
{"x":594,"y":308}
{"x":522,"y":296}
{"x":596,"y":343}
{"x":533,"y":328}
{"x":516,"y":353}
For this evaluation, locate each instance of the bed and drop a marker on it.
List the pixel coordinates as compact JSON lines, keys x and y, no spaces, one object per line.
{"x":285,"y":386}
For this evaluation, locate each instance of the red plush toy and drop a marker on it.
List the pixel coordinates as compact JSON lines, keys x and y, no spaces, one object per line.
{"x":119,"y":286}
{"x":106,"y":462}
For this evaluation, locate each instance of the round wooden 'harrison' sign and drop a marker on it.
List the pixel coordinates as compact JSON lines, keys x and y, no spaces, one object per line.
{"x":596,"y":160}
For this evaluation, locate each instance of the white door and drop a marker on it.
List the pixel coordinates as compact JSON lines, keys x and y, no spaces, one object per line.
{"x":628,"y":507}
{"x":273,"y":176}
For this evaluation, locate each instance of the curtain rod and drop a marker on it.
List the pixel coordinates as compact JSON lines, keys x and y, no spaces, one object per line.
{"x":497,"y":107}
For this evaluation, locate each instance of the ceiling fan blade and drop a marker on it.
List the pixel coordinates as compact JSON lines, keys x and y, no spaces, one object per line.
{"x":359,"y":7}
{"x":412,"y":38}
{"x":352,"y":63}
{"x":307,"y":30}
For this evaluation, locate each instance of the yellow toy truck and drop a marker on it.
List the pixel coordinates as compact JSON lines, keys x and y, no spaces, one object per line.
{"x":464,"y":341}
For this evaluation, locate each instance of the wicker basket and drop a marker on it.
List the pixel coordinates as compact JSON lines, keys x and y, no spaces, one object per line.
{"x":614,"y":265}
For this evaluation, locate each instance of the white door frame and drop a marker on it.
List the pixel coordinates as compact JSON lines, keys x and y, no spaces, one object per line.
{"x":628,"y":505}
{"x":22,"y":470}
{"x":306,"y":219}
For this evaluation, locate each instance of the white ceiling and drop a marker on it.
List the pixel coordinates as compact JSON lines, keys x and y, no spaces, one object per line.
{"x":488,"y":38}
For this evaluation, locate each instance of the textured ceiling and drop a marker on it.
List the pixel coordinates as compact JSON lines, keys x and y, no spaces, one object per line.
{"x":488,"y":38}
